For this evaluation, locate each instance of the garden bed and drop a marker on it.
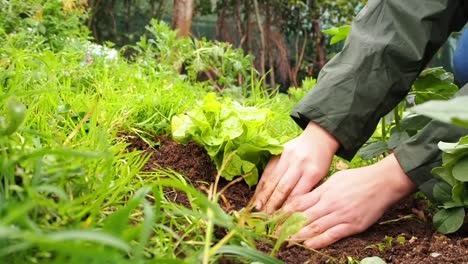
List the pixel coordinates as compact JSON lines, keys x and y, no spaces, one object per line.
{"x":403,"y":235}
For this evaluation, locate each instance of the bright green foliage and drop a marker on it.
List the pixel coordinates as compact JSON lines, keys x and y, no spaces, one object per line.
{"x":338,"y":33}
{"x":451,"y":111}
{"x":372,"y":260}
{"x":232,"y":134}
{"x":15,"y":115}
{"x":449,"y":220}
{"x":222,"y":64}
{"x":71,"y":191}
{"x":451,"y":192}
{"x":45,"y":23}
{"x":433,"y":84}
{"x":291,"y":226}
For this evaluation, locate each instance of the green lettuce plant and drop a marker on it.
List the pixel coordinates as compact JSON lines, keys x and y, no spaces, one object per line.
{"x":231,"y":133}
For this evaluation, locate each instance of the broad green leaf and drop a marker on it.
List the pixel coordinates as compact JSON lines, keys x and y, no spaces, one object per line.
{"x":458,"y":192}
{"x":446,"y":111}
{"x":200,"y":120}
{"x":442,"y":192}
{"x":373,"y":150}
{"x":450,"y":205}
{"x":414,"y":122}
{"x":454,"y":148}
{"x":233,"y":167}
{"x":181,"y":126}
{"x":211,"y":104}
{"x":460,"y":170}
{"x":445,"y":173}
{"x":231,"y":128}
{"x":16,"y":113}
{"x":463,"y":140}
{"x":338,"y":33}
{"x":434,"y":84}
{"x":372,"y":260}
{"x":449,"y":160}
{"x":448,"y":221}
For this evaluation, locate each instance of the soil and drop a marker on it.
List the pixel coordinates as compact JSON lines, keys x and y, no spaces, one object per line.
{"x":411,"y":218}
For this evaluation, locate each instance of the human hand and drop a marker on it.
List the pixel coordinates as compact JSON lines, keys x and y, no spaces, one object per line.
{"x":349,"y":202}
{"x":304,"y":162}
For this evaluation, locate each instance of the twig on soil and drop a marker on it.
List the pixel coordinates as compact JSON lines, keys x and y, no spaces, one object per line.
{"x":226,"y":202}
{"x":405,"y":217}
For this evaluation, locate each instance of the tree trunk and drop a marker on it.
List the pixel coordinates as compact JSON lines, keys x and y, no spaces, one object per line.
{"x":262,"y":40}
{"x":319,"y":39}
{"x":182,"y":17}
{"x":268,"y":47}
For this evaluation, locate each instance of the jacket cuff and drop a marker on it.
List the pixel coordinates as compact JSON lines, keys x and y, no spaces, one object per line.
{"x":419,"y":174}
{"x":302,"y":117}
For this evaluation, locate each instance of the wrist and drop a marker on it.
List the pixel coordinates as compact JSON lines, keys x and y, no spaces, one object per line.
{"x":396,"y":176}
{"x":328,"y":142}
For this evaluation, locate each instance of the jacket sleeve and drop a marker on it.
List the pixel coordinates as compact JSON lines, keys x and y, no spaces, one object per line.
{"x":390,"y":43}
{"x":420,"y":154}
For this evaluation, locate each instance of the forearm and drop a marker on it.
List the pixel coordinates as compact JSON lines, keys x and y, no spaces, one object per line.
{"x":390,"y":43}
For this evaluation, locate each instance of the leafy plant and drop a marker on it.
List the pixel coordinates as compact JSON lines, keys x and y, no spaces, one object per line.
{"x":372,"y":260}
{"x":389,"y":242}
{"x":452,"y":191}
{"x":231,"y":133}
{"x":219,"y":63}
{"x":71,"y":191}
{"x":338,"y":33}
{"x":451,"y":111}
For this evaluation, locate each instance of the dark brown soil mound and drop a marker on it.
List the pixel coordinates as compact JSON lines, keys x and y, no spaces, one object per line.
{"x":409,"y":219}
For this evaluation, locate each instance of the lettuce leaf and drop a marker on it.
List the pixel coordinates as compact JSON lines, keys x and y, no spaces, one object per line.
{"x":234,"y":136}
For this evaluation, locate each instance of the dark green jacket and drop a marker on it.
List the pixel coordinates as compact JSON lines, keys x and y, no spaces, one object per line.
{"x":390,"y":43}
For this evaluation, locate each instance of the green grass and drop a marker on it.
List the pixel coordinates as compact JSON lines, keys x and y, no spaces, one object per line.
{"x":70,"y":191}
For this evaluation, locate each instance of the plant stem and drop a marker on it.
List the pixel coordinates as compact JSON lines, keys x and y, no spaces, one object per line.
{"x":396,"y":116}
{"x":209,"y":231}
{"x":384,"y":131}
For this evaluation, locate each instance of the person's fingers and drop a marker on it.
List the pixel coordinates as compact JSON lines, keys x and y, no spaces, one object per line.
{"x":331,"y":235}
{"x":302,"y":202}
{"x":284,"y":187}
{"x":311,"y":176}
{"x":269,"y":183}
{"x":267,"y":174}
{"x":318,"y":210}
{"x":317,"y":227}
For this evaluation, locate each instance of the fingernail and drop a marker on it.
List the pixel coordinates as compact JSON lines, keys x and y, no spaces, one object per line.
{"x":309,"y":244}
{"x":258,"y":205}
